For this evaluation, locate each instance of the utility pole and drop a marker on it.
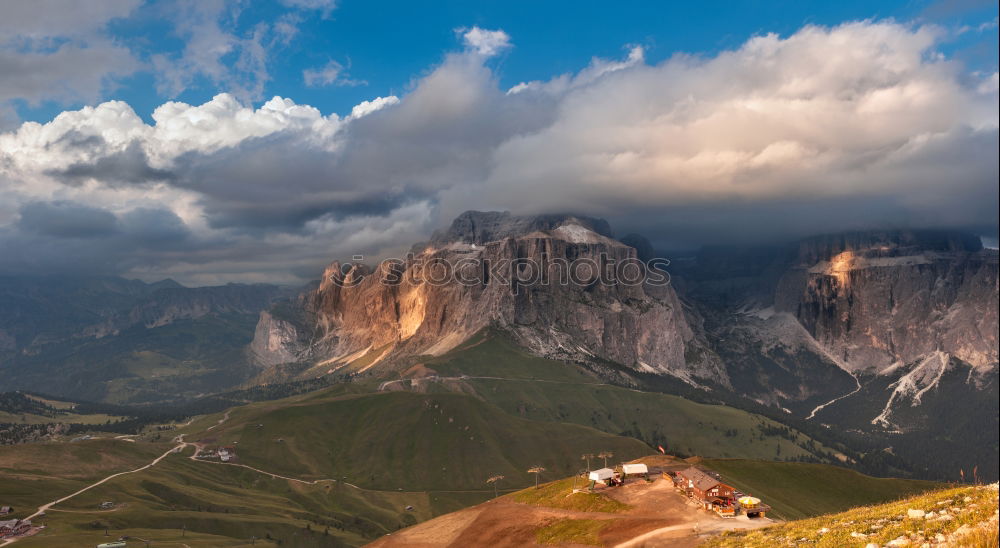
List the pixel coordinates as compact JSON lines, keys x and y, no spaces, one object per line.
{"x":494,"y":480}
{"x":536,"y":470}
{"x":606,"y":455}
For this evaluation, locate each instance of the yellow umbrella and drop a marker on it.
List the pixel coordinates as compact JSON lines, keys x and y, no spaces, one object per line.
{"x":749,"y":501}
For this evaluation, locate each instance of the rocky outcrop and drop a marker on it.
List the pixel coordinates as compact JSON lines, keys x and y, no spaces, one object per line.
{"x":878,"y":299}
{"x":549,"y":281}
{"x":275,"y":340}
{"x":481,"y":227}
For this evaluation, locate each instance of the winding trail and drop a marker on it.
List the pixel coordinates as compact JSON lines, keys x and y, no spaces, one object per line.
{"x":700,"y":528}
{"x":834,"y":400}
{"x":181,"y":444}
{"x":435,"y":378}
{"x":224,"y":418}
{"x":273,"y":475}
{"x":45,"y":507}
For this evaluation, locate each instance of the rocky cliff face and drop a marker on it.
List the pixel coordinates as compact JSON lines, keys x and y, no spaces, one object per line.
{"x":888,"y":335}
{"x":878,"y":299}
{"x":805,"y":325}
{"x":536,"y":277}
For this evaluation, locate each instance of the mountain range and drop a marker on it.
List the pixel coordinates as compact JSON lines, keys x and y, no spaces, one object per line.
{"x":889,"y":336}
{"x":887,"y":339}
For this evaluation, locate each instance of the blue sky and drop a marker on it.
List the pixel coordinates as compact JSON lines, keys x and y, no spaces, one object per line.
{"x":227,"y":140}
{"x":384,"y":46}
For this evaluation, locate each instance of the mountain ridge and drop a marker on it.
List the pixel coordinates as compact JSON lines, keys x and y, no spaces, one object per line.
{"x":355,"y":310}
{"x":806,"y":328}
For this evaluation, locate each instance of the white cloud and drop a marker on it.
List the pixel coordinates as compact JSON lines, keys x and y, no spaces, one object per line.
{"x":858,"y":112}
{"x":206,"y":28}
{"x":286,"y":28}
{"x":92,"y":132}
{"x":485,"y":42}
{"x":332,"y":73}
{"x":860,"y":125}
{"x":213,"y":39}
{"x":62,"y":50}
{"x":364,"y":108}
{"x":57,"y":50}
{"x":325,"y":6}
{"x":42,"y":19}
{"x":598,"y":67}
{"x":990,"y":84}
{"x":71,"y":72}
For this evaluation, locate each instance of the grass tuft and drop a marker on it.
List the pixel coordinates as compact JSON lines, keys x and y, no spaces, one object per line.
{"x":559,"y":494}
{"x":571,"y":531}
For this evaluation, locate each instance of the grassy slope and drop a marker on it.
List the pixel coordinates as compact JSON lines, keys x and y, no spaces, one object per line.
{"x":28,"y":418}
{"x":541,"y":389}
{"x":439,"y":448}
{"x":968,"y":506}
{"x":403,"y":440}
{"x":229,"y":504}
{"x":798,"y":490}
{"x":48,"y":411}
{"x":32,"y":474}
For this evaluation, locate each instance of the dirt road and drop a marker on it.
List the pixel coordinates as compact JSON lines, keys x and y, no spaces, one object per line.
{"x":658,"y":516}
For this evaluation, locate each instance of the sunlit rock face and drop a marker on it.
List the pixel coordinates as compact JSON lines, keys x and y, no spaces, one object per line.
{"x":878,"y":299}
{"x":509,"y":272}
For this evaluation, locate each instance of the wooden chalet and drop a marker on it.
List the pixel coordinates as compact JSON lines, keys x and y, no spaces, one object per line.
{"x":709,"y":492}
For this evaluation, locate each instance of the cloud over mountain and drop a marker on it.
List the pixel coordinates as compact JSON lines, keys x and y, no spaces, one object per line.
{"x":864,"y":124}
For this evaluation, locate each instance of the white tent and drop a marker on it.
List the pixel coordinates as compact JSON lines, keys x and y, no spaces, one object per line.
{"x":635,"y":468}
{"x":602,"y":474}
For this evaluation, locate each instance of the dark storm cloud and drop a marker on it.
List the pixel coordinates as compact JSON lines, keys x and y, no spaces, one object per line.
{"x":281,"y":183}
{"x":153,"y":227}
{"x":67,"y":220}
{"x":64,"y":237}
{"x":129,"y":166}
{"x":441,"y":136}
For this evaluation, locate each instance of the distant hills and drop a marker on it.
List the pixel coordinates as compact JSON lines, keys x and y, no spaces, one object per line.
{"x":123,"y":341}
